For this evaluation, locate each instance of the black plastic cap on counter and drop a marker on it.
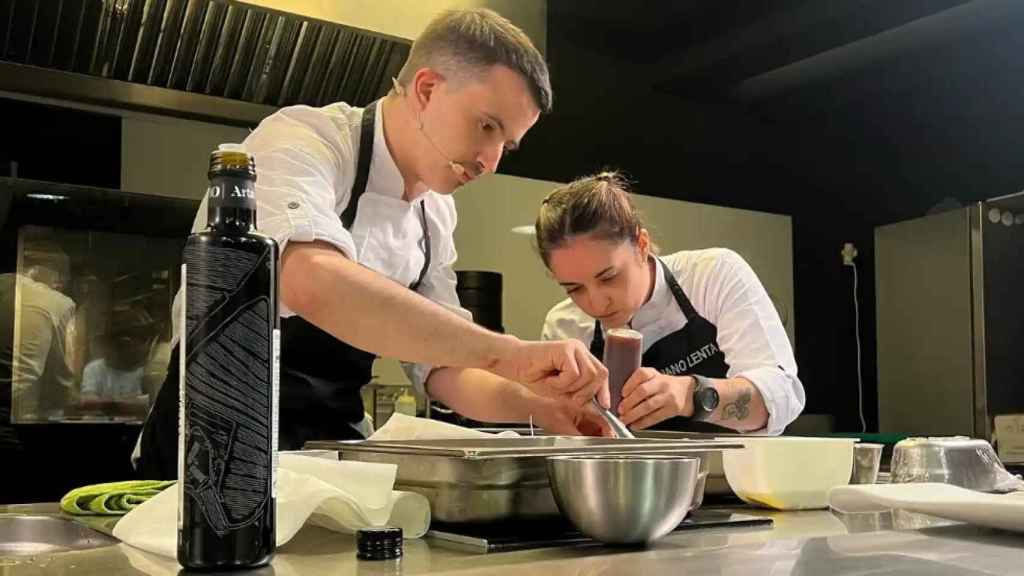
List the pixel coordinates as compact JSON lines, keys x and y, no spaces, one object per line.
{"x":379,"y":543}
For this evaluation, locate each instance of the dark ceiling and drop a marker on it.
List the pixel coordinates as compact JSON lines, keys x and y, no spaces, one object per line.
{"x":644,"y":30}
{"x":696,"y":48}
{"x":868,"y":95}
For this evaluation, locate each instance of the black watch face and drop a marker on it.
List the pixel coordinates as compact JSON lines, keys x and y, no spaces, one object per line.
{"x":708,"y":399}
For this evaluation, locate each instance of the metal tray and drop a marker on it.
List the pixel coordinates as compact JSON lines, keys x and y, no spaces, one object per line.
{"x":485,"y":480}
{"x":715,"y":484}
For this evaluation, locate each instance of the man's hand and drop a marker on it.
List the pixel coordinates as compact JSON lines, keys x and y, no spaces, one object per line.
{"x":560,"y":368}
{"x":566,"y":418}
{"x":650,"y":397}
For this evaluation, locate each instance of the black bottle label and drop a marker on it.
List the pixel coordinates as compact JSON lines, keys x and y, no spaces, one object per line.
{"x":229,"y":387}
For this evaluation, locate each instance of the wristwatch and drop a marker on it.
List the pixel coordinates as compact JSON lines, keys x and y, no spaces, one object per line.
{"x":705,"y":398}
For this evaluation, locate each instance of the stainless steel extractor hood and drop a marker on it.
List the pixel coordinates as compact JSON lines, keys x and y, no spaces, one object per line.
{"x":204,"y":59}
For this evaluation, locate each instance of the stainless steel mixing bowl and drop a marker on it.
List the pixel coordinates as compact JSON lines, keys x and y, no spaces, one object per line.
{"x":957,"y":460}
{"x":624,"y":499}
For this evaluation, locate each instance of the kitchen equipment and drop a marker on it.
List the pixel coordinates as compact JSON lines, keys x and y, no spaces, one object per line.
{"x":479,"y":292}
{"x":245,"y":55}
{"x":490,"y":479}
{"x":406,"y":404}
{"x":866,"y":460}
{"x":559,"y":532}
{"x":955,"y":274}
{"x":1008,"y":438}
{"x":381,"y":400}
{"x":712,"y":474}
{"x":788,"y":473}
{"x":618,"y":428}
{"x":958,"y":460}
{"x":624,"y":499}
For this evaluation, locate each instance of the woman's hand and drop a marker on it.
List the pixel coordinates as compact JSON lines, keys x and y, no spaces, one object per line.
{"x":650,"y":397}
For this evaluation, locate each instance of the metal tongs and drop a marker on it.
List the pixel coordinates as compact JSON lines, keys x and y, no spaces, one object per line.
{"x":618,"y":428}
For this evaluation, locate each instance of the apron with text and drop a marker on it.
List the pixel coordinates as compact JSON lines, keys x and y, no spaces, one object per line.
{"x":693,"y":349}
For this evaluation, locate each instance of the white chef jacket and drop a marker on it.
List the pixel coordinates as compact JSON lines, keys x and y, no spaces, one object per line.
{"x":726,"y":292}
{"x":306,"y":163}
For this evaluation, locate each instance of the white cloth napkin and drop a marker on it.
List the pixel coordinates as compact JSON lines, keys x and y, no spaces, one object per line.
{"x":338,"y":495}
{"x":404,"y":427}
{"x":1004,"y":511}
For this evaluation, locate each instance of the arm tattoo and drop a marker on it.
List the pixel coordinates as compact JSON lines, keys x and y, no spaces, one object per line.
{"x":739,"y":408}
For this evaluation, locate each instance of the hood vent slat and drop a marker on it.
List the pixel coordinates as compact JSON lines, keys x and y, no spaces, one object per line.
{"x":210,"y":47}
{"x":214,"y":48}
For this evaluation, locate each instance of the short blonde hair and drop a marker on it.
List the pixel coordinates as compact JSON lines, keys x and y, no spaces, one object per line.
{"x":463,"y":43}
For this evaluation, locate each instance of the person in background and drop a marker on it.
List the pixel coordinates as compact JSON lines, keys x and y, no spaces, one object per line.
{"x":114,"y":381}
{"x":36,"y":365}
{"x":716,"y":355}
{"x":36,"y":383}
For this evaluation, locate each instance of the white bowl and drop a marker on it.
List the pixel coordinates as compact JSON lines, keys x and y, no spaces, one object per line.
{"x":788,"y":473}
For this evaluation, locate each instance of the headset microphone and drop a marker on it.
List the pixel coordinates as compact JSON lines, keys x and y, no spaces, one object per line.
{"x":458,"y":168}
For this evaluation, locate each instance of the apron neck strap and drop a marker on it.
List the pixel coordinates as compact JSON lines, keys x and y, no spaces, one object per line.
{"x":426,"y":247}
{"x":367,"y":137}
{"x":597,"y":342}
{"x":677,"y":292}
{"x":366,"y":144}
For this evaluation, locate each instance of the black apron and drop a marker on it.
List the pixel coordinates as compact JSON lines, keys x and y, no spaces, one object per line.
{"x":693,"y":349}
{"x":321,"y":376}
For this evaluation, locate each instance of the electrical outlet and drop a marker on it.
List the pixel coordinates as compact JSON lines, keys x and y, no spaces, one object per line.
{"x":848,"y":253}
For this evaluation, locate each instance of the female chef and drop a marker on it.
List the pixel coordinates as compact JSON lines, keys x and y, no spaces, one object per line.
{"x":715,"y":354}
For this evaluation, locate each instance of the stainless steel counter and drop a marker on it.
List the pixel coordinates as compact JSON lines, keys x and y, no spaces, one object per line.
{"x":813,"y":542}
